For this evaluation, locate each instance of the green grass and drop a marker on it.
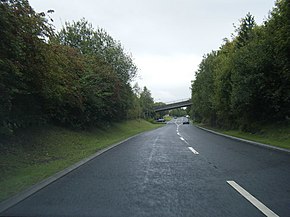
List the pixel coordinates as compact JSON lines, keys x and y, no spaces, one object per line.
{"x":167,"y":118}
{"x":274,"y":134}
{"x":35,"y":154}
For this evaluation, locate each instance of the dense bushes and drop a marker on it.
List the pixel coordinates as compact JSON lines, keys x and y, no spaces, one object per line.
{"x":77,"y":77}
{"x":247,"y":81}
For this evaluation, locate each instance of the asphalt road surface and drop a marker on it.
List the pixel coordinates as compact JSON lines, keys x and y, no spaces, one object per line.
{"x":176,"y":170}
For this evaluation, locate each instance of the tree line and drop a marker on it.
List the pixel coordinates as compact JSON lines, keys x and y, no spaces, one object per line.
{"x":246,"y":82}
{"x":77,"y":77}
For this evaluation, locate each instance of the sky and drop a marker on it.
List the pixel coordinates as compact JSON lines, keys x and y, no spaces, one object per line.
{"x":167,"y":38}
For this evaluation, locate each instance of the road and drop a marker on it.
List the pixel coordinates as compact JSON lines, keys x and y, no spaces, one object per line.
{"x":176,"y":170}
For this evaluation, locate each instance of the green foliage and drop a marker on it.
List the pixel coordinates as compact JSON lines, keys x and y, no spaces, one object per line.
{"x":146,"y":103}
{"x":160,"y":114}
{"x":108,"y":71}
{"x":202,"y":89}
{"x":75,"y":78}
{"x":245,"y":31}
{"x":275,"y":134}
{"x":247,"y":81}
{"x":22,"y":50}
{"x":136,"y":110}
{"x":179,"y":112}
{"x":83,"y":37}
{"x":34,"y":154}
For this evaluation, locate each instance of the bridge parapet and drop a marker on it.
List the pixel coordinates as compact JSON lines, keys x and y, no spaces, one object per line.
{"x":174,"y":105}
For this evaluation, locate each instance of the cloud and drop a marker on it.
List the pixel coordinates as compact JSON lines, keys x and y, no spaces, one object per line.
{"x":168,"y":77}
{"x":167,"y":38}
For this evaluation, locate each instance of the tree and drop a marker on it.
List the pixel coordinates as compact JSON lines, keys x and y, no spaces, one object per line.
{"x":202,"y":91}
{"x":159,"y":114}
{"x":247,"y":81}
{"x":277,"y":34}
{"x":22,"y":49}
{"x":88,"y":41}
{"x":223,"y":85}
{"x":99,"y":45}
{"x":179,"y":112}
{"x":76,"y":78}
{"x":245,"y":30}
{"x":146,"y":102}
{"x":135,"y":110}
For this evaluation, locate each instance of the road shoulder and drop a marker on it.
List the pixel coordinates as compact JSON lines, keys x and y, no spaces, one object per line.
{"x":6,"y":204}
{"x":245,"y":140}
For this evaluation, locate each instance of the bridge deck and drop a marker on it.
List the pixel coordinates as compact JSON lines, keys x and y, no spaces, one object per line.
{"x":173,"y":106}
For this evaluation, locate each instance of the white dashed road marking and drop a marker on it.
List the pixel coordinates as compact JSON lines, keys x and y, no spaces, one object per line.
{"x":265,"y":210}
{"x":193,"y":151}
{"x":178,"y":133}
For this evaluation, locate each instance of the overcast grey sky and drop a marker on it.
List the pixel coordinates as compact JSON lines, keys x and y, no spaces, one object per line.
{"x":167,"y":38}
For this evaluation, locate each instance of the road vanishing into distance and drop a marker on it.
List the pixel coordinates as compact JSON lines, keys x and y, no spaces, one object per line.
{"x":176,"y":170}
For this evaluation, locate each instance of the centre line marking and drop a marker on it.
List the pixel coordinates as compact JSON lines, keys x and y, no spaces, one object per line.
{"x":183,"y":139}
{"x":265,"y":210}
{"x":193,"y":151}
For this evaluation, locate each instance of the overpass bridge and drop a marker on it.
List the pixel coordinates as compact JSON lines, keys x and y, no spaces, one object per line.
{"x":173,"y":105}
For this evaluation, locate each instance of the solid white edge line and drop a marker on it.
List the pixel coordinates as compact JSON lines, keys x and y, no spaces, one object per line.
{"x":265,"y":210}
{"x":193,"y":151}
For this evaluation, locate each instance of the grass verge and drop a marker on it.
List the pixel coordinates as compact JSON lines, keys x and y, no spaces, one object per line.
{"x":167,"y":118}
{"x":35,"y":154}
{"x":276,"y":135}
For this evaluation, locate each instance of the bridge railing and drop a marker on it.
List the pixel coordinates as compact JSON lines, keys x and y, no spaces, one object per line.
{"x":172,"y":105}
{"x":177,"y":101}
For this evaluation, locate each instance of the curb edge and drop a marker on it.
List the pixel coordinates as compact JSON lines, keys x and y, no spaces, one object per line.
{"x":246,"y":141}
{"x":22,"y":195}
